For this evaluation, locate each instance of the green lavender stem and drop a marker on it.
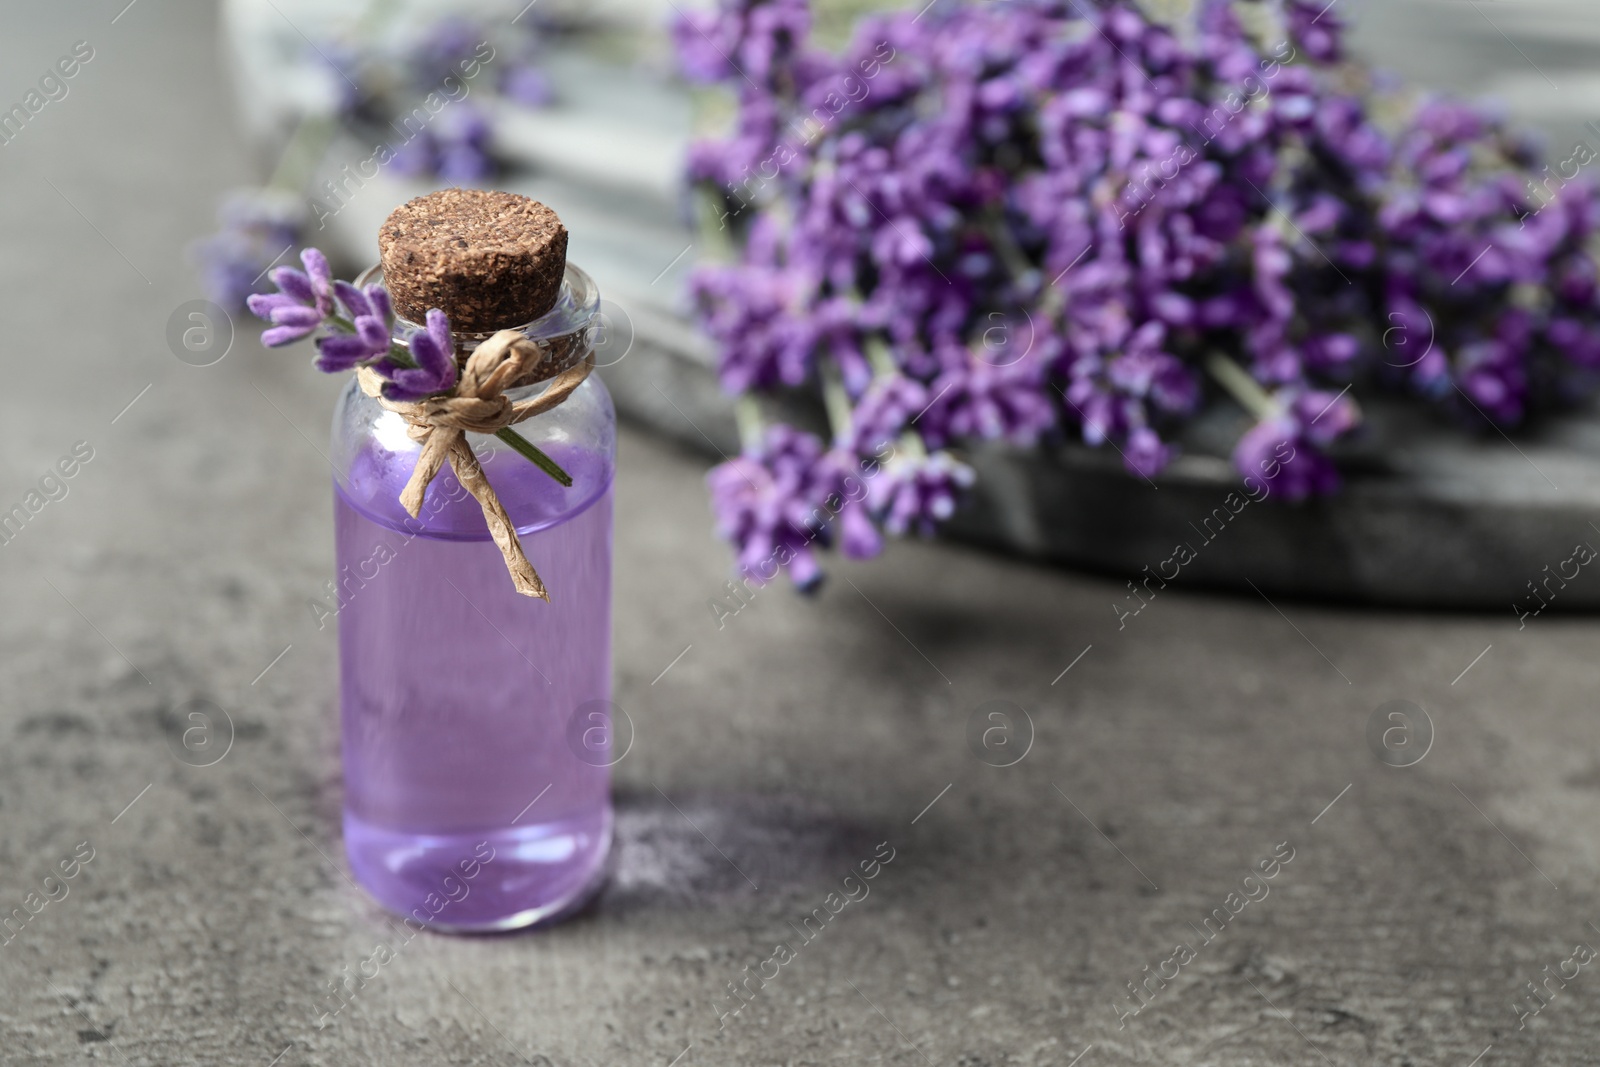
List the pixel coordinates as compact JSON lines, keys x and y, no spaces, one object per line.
{"x":747,"y":411}
{"x":879,"y":356}
{"x":1245,"y":389}
{"x":531,"y":452}
{"x":837,"y":402}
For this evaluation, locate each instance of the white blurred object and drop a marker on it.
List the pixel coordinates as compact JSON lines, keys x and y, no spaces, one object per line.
{"x":267,"y":48}
{"x":1536,"y":57}
{"x":277,"y":50}
{"x":612,"y":144}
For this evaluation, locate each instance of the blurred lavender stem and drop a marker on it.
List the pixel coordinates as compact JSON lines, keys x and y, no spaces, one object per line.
{"x":880,"y":358}
{"x":837,"y":402}
{"x":1242,"y":387}
{"x":747,"y":413}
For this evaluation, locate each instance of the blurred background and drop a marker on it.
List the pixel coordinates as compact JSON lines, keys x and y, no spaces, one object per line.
{"x":1161,"y":758}
{"x":585,"y":108}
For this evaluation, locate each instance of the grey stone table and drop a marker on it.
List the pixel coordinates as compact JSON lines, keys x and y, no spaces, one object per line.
{"x":1170,"y":754}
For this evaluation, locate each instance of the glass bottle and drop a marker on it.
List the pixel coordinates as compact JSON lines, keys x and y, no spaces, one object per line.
{"x":474,"y":720}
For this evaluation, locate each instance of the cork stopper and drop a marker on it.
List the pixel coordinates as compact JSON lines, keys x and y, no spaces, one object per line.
{"x":490,"y":260}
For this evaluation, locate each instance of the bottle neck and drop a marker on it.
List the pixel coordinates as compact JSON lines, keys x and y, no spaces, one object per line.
{"x":565,"y":335}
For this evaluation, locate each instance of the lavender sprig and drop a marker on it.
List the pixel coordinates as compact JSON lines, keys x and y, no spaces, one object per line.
{"x":359,"y":332}
{"x":255,"y":227}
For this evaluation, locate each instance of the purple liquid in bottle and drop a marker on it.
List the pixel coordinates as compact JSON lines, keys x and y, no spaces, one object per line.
{"x":475,"y":721}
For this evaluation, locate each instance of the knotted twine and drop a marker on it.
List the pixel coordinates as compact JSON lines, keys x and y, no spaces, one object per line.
{"x":479,"y":405}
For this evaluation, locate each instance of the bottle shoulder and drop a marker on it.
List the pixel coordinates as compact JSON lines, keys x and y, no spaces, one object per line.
{"x":374,"y":454}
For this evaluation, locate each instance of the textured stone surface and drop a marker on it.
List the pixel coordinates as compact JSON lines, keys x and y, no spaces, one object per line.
{"x":1175,"y":753}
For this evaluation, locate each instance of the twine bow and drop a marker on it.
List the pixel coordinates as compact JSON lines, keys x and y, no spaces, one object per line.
{"x":479,"y":405}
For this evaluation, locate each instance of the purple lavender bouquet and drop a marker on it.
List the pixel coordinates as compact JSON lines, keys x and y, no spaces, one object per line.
{"x":1016,"y":221}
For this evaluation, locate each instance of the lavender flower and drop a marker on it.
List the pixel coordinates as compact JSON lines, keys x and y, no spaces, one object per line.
{"x":1285,"y":452}
{"x":886,"y":408}
{"x":1316,"y":29}
{"x":974,"y":399}
{"x":916,"y":494}
{"x":258,"y":226}
{"x":456,"y":148}
{"x":434,"y":353}
{"x":379,"y":87}
{"x":439,"y":51}
{"x":360,"y":335}
{"x":770,"y":504}
{"x":528,"y":86}
{"x":848,"y":485}
{"x":463,"y":135}
{"x":303,"y":300}
{"x":372,"y":319}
